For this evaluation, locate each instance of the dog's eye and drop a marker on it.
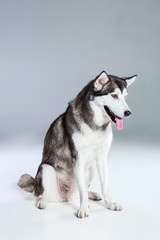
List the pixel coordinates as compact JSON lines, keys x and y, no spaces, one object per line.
{"x":115,"y":96}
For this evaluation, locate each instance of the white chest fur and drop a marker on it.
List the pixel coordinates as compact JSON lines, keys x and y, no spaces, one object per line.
{"x":89,"y":143}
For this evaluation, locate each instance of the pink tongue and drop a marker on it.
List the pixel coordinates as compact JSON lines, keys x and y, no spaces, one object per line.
{"x":119,"y":123}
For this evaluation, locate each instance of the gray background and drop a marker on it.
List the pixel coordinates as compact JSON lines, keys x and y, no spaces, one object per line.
{"x":50,"y":49}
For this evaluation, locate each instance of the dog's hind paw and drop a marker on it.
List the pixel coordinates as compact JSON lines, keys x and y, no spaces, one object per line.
{"x":41,"y":203}
{"x":83,"y":213}
{"x":113,"y":206}
{"x":94,"y":196}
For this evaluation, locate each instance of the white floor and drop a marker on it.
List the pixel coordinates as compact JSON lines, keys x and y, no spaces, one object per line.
{"x":135,"y":183}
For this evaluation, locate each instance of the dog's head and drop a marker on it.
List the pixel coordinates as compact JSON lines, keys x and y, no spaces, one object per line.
{"x":110,"y":92}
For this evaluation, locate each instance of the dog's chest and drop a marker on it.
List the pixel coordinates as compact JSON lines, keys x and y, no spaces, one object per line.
{"x":90,"y":142}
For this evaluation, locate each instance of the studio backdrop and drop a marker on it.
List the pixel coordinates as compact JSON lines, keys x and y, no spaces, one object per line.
{"x":49,"y":50}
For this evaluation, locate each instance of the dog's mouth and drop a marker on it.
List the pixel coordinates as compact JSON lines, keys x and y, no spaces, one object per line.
{"x":117,"y":120}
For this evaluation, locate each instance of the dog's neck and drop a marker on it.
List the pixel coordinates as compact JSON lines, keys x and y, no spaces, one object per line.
{"x":100,"y":118}
{"x":91,"y":114}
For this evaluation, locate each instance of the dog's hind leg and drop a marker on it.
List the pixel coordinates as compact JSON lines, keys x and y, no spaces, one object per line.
{"x":89,"y":176}
{"x":102,"y":166}
{"x":94,"y":196}
{"x":46,"y":186}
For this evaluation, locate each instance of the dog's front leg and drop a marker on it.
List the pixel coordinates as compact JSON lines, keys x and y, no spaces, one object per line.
{"x":102,"y":166}
{"x":80,"y":177}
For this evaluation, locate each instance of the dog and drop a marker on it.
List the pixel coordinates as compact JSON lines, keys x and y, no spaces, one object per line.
{"x":78,"y":140}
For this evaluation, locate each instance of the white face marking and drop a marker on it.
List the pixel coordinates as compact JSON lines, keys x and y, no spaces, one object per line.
{"x":117,"y":105}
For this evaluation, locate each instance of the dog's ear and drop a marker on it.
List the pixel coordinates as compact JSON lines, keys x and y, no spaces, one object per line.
{"x":100,"y":81}
{"x":129,"y":80}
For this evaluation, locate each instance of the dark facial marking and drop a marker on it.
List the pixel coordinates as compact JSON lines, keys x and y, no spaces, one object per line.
{"x":113,"y":83}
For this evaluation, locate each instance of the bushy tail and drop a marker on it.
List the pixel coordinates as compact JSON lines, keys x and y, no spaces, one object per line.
{"x":26,"y":182}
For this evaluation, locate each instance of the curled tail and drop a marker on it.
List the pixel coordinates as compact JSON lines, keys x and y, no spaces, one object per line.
{"x":26,"y":182}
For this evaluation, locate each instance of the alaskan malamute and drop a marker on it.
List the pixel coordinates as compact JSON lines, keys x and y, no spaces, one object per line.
{"x":78,"y":139}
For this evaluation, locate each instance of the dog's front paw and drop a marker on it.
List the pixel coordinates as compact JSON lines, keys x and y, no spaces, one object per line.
{"x":113,"y":206}
{"x":83,"y":213}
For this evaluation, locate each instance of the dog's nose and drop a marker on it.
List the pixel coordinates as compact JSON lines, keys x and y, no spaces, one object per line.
{"x":127,"y":113}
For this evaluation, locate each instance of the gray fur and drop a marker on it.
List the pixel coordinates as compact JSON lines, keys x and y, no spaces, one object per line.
{"x":26,"y":182}
{"x":59,"y":150}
